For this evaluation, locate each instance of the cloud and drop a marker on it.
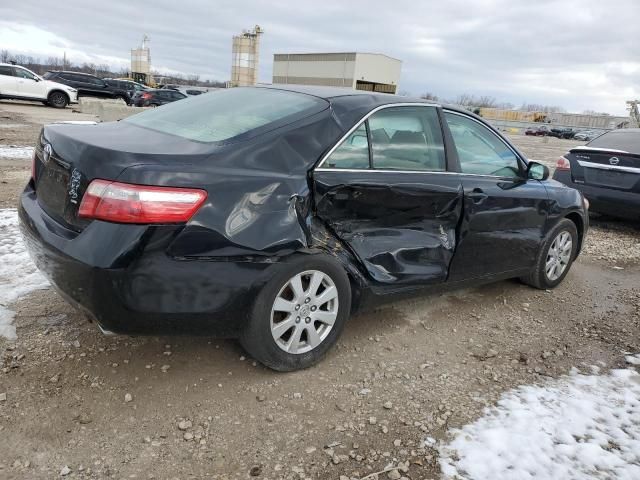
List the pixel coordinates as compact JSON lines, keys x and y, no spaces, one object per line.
{"x":578,"y":54}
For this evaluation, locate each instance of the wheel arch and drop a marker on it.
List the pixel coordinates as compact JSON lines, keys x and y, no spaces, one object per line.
{"x":579,"y":222}
{"x":54,"y":90}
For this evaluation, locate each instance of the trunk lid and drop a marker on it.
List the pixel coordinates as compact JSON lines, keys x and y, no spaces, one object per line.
{"x":605,"y":167}
{"x":69,"y":157}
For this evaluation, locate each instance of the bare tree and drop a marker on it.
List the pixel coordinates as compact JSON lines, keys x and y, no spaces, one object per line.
{"x":429,"y":96}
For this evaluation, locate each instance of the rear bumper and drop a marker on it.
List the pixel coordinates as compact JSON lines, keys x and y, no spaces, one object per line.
{"x":604,"y":200}
{"x":121,"y":276}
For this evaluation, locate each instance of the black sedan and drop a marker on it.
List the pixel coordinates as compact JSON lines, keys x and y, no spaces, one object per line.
{"x":271,"y":214}
{"x":156,"y":97}
{"x":607,"y":171}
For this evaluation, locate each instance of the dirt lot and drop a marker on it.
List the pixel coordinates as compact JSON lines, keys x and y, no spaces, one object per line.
{"x":91,"y":406}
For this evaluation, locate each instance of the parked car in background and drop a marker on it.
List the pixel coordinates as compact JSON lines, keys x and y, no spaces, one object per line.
{"x":607,"y":171}
{"x":129,"y":86}
{"x":88,"y":85}
{"x":540,"y":131}
{"x":20,"y":83}
{"x":156,"y":97}
{"x":587,"y":135}
{"x":194,"y":92}
{"x":271,"y":214}
{"x":565,"y":132}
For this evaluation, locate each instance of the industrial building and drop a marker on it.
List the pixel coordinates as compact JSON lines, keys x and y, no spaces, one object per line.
{"x":245,"y":56}
{"x":363,"y":71}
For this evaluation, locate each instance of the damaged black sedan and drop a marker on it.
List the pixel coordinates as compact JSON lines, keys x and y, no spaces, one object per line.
{"x":271,"y":214}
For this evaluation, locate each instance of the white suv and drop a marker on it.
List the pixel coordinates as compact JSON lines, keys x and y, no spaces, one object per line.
{"x":19,"y":83}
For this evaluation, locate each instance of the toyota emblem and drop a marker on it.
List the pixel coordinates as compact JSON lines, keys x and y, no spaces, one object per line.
{"x":614,"y":160}
{"x":46,"y":152}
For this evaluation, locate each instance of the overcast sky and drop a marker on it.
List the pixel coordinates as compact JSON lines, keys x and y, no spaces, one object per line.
{"x":580,"y":54}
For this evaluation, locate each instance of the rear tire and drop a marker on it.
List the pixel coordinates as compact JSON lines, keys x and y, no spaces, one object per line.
{"x":555,"y":257}
{"x":299,"y":314}
{"x":57,"y":100}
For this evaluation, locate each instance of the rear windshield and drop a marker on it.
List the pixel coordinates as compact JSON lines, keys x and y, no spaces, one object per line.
{"x":225,"y":114}
{"x":628,"y":140}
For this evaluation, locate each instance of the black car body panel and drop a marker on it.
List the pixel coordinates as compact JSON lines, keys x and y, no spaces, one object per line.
{"x":607,"y":172}
{"x":89,"y":85}
{"x":403,"y":232}
{"x":392,"y":231}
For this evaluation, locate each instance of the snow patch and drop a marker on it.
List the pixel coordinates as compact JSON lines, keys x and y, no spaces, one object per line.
{"x":576,"y":427}
{"x":15,"y":151}
{"x":633,"y":359}
{"x":12,"y":125}
{"x":18,"y":274}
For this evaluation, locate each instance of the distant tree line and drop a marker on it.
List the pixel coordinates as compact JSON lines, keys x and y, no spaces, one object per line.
{"x":40,"y":66}
{"x":473,"y":102}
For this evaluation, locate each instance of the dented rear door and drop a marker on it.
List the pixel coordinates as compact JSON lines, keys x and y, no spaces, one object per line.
{"x":386,"y":193}
{"x":401,"y":226}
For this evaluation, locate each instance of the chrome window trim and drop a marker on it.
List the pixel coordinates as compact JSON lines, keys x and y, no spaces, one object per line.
{"x":499,"y":137}
{"x":428,"y":172}
{"x":364,"y":119}
{"x":602,"y":166}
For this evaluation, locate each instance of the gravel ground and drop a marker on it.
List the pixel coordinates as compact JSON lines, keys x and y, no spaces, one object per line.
{"x":77,"y":404}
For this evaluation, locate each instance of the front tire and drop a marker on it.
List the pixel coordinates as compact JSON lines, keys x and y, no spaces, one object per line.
{"x":299,"y":314}
{"x":555,"y":257}
{"x":57,"y":100}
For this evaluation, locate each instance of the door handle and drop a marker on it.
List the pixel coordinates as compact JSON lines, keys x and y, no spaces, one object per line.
{"x":477,"y":195}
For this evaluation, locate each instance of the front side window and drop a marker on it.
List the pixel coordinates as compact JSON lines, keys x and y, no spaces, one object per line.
{"x":480,"y":151}
{"x":229,"y":113}
{"x":407,"y":138}
{"x":353,"y":152}
{"x":22,"y":73}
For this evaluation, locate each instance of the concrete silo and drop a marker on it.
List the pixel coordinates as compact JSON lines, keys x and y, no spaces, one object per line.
{"x":141,"y":62}
{"x":245,"y":56}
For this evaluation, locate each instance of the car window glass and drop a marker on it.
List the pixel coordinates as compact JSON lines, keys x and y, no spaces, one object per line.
{"x":6,"y":71}
{"x":629,"y":141}
{"x":229,"y":113}
{"x":353,"y":152}
{"x":480,"y":151}
{"x":22,"y":73}
{"x":407,"y":138}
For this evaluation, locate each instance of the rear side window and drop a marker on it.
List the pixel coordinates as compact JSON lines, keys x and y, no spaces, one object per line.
{"x":400,"y":138}
{"x":407,"y":138}
{"x":229,"y":113}
{"x":353,"y":153}
{"x":627,"y":140}
{"x":8,"y":71}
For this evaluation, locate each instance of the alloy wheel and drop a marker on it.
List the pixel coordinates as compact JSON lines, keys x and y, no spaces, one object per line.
{"x":558,"y":256}
{"x":304,"y":312}
{"x":58,"y":100}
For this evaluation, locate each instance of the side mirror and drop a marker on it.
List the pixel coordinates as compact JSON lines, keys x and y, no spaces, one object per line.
{"x":537,"y":171}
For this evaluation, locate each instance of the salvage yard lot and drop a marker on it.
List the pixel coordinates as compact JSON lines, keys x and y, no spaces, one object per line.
{"x":402,"y":377}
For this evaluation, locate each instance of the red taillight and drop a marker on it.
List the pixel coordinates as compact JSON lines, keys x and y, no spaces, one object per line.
{"x":146,"y":96}
{"x":128,"y":203}
{"x":563,"y":164}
